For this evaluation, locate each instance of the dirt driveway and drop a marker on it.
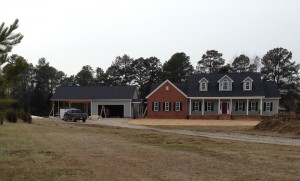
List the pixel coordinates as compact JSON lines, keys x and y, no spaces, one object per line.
{"x":129,"y":123}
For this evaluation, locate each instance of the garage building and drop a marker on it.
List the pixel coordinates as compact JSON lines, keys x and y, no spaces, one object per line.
{"x":107,"y":101}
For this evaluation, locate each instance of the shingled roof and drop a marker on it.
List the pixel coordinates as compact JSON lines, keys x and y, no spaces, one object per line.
{"x":259,"y":88}
{"x":94,"y":92}
{"x":237,"y":85}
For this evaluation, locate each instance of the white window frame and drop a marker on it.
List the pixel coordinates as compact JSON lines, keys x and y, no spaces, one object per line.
{"x":247,"y":87}
{"x":240,"y":106}
{"x":253,"y":106}
{"x":208,"y":106}
{"x":167,"y":106}
{"x":223,"y":85}
{"x":156,"y":106}
{"x":268,"y":106}
{"x":177,"y":106}
{"x":203,"y":84}
{"x":196,"y":108}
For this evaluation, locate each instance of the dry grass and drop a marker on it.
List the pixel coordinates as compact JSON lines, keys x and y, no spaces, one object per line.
{"x":186,"y":122}
{"x":226,"y":126}
{"x":55,"y":150}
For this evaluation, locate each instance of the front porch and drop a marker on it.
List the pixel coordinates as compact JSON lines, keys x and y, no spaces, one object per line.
{"x":226,"y":108}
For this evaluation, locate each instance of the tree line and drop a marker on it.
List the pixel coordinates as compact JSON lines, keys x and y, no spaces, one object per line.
{"x":33,"y":86}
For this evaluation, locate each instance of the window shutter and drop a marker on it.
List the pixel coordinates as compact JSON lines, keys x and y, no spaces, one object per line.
{"x":170,"y":106}
{"x":205,"y":105}
{"x":180,"y":106}
{"x":271,"y":106}
{"x":243,"y":106}
{"x":163,"y":106}
{"x":152,"y":106}
{"x":174,"y":106}
{"x":193,"y":106}
{"x":200,"y":106}
{"x":236,"y":106}
{"x":264,"y":106}
{"x":249,"y":106}
{"x":212,"y":106}
{"x":256,"y":107}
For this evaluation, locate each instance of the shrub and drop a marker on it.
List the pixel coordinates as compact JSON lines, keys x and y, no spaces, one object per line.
{"x":11,"y":115}
{"x":25,"y":116}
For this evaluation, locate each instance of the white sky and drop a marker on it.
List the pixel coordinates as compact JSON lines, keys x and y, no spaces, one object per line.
{"x":74,"y":33}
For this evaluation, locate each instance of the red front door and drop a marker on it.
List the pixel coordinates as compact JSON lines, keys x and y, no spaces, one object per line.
{"x":224,"y":107}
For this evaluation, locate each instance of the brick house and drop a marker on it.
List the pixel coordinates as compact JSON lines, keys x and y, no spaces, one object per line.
{"x":215,"y":96}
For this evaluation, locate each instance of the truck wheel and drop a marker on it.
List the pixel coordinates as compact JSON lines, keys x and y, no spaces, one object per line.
{"x":73,"y":119}
{"x":84,"y":120}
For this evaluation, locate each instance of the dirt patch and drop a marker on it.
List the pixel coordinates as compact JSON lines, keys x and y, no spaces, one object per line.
{"x":18,"y":152}
{"x":187,"y":122}
{"x":281,"y":123}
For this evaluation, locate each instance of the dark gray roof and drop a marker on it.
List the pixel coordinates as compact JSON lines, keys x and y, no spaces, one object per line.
{"x":271,"y":89}
{"x":94,"y":92}
{"x":237,"y":85}
{"x":181,"y":86}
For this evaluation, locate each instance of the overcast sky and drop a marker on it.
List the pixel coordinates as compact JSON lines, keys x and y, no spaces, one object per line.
{"x":71,"y":34}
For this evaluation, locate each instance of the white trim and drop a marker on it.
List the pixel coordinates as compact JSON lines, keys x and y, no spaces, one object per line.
{"x":162,"y":85}
{"x":247,"y":78}
{"x":178,"y":106}
{"x":261,"y":106}
{"x":224,"y":77}
{"x":258,"y":97}
{"x":130,"y":110}
{"x":203,"y":79}
{"x":155,"y":110}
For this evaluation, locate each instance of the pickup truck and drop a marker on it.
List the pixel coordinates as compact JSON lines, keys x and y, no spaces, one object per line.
{"x":74,"y":115}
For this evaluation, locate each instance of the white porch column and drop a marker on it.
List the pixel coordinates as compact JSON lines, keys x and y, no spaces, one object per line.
{"x":202,"y":107}
{"x":53,"y":108}
{"x":261,"y":106}
{"x":190,"y":107}
{"x":58,"y":108}
{"x":230,"y":109}
{"x":219,"y":107}
{"x":247,"y":111}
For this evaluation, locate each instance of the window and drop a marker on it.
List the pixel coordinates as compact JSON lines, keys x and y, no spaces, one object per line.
{"x":268,"y":106}
{"x":177,"y":106}
{"x":167,"y":106}
{"x":203,"y":86}
{"x":196,"y":108}
{"x":156,"y":106}
{"x":225,"y":85}
{"x":208,"y":106}
{"x":253,"y":106}
{"x":247,"y":85}
{"x":240,"y":106}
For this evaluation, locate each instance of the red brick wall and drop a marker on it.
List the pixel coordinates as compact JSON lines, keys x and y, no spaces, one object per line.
{"x":204,"y":117}
{"x":172,"y":95}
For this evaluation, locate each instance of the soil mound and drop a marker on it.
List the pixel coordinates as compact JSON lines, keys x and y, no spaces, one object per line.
{"x":281,"y":123}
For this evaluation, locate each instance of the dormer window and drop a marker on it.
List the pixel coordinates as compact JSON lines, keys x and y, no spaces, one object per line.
{"x":225,"y":83}
{"x":247,"y":84}
{"x":203,"y":84}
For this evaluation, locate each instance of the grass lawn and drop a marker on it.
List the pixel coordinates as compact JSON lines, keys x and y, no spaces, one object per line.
{"x":55,"y":150}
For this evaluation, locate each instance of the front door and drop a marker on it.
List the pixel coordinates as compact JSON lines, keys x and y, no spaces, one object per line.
{"x":224,"y":107}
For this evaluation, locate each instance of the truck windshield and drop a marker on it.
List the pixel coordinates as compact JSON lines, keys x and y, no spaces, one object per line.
{"x":76,"y":111}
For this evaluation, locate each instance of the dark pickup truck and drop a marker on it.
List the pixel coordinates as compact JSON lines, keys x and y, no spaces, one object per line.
{"x":74,"y":115}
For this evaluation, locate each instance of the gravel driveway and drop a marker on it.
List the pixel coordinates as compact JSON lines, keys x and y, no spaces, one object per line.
{"x":229,"y":136}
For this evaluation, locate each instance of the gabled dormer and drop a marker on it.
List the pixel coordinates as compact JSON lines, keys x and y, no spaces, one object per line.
{"x":225,"y":83}
{"x":203,"y":84}
{"x":247,"y":84}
